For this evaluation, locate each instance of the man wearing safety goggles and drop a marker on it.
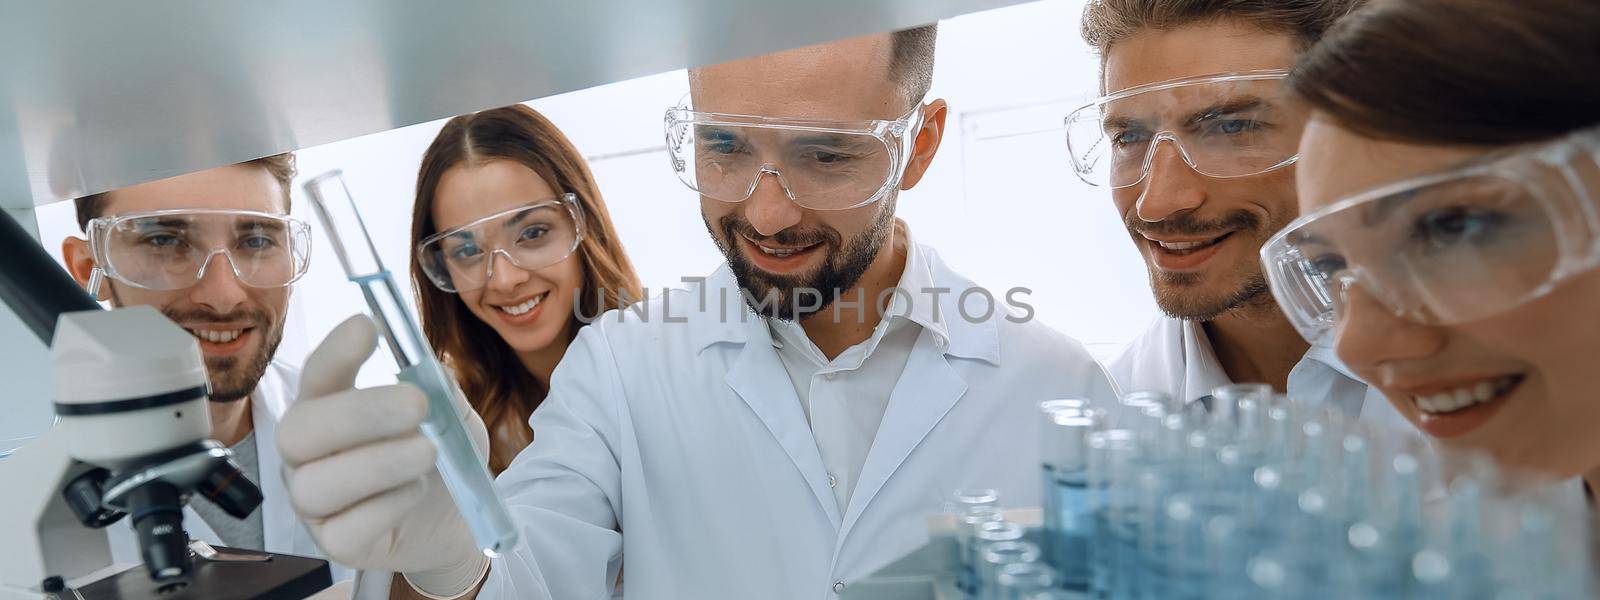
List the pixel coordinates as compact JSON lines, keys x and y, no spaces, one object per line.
{"x":791,"y":445}
{"x":216,"y":252}
{"x":1196,"y":140}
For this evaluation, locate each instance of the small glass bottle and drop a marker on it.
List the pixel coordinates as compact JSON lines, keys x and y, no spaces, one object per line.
{"x":996,"y":557}
{"x":989,"y":534}
{"x":966,"y":547}
{"x":1019,"y":581}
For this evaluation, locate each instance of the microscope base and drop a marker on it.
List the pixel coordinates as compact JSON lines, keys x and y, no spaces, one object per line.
{"x":282,"y":577}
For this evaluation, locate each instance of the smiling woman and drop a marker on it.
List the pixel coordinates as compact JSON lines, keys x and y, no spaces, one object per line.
{"x":1450,"y":181}
{"x":513,"y":247}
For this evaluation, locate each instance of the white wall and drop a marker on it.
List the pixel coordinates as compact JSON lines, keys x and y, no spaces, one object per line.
{"x":1000,"y":202}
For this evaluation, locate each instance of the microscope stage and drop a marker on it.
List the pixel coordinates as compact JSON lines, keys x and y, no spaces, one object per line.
{"x":282,"y":577}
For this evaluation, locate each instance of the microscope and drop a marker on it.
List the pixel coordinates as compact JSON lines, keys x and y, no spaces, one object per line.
{"x":130,"y":441}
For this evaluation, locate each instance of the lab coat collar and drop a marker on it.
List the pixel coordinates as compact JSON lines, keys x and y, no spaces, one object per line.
{"x":924,"y":270}
{"x":1202,"y":372}
{"x":956,"y":335}
{"x":1205,"y":370}
{"x":917,"y":281}
{"x":1324,"y":353}
{"x":723,"y":317}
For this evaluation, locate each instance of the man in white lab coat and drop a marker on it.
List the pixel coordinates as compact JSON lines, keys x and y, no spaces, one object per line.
{"x":1203,"y":143}
{"x":741,"y":438}
{"x":233,"y":300}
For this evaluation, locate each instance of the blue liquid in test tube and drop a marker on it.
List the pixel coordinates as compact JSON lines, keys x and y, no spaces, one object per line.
{"x":1067,"y":520}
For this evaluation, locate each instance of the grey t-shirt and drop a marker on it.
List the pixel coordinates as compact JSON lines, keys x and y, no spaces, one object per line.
{"x":246,"y":533}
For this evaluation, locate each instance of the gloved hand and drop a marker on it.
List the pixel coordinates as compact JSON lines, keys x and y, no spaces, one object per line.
{"x":361,"y":475}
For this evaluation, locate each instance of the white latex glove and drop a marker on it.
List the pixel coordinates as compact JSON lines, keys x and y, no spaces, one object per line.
{"x":361,"y":475}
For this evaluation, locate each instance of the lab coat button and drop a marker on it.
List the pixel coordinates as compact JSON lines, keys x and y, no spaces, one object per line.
{"x":838,"y":587}
{"x":832,"y":481}
{"x":828,"y":376}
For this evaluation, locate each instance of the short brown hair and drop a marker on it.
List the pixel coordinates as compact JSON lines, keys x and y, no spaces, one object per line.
{"x":1107,"y":22}
{"x":1477,"y":72}
{"x":911,"y":59}
{"x":281,"y":166}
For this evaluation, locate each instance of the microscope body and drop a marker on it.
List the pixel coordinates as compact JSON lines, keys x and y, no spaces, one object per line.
{"x":44,"y":538}
{"x":130,"y":442}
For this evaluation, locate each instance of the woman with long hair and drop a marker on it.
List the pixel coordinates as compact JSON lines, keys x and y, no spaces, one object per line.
{"x":1449,"y":182}
{"x":513,"y":251}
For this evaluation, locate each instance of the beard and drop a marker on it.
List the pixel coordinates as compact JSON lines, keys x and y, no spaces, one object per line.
{"x":1182,"y":295}
{"x":233,"y":378}
{"x":778,"y":296}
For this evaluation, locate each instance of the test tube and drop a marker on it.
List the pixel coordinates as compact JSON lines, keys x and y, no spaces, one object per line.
{"x":1162,"y":474}
{"x":1067,"y":520}
{"x":1187,"y":566}
{"x":459,"y":462}
{"x":1146,"y":483}
{"x":1110,"y":453}
{"x":1227,"y":418}
{"x":1048,"y":409}
{"x":1388,"y":539}
{"x":1133,"y":403}
{"x":1295,"y":558}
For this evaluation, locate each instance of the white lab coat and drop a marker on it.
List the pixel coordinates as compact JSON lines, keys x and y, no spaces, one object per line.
{"x":1175,"y":357}
{"x":680,"y":448}
{"x":282,"y":531}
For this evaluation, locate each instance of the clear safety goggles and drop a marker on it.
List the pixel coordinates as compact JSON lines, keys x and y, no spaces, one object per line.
{"x":1224,"y":126}
{"x":1446,"y":248}
{"x":171,"y":249}
{"x":532,"y":236}
{"x":819,"y":164}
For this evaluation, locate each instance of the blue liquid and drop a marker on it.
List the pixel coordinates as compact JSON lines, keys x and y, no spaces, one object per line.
{"x":1125,"y":540}
{"x":1052,"y":515}
{"x":1102,"y":557}
{"x":967,"y":575}
{"x":1156,"y":572}
{"x":1068,"y":541}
